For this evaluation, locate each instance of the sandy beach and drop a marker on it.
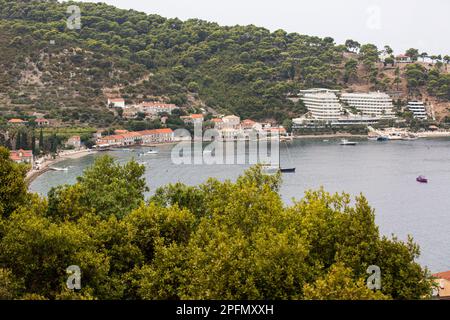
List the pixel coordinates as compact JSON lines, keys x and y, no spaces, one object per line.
{"x":46,"y":165}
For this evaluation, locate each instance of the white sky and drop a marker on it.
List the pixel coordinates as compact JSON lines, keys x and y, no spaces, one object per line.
{"x":400,"y":23}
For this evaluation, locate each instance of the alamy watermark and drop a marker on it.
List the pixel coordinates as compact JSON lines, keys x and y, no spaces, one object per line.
{"x":74,"y":280}
{"x":74,"y":21}
{"x":374,"y":280}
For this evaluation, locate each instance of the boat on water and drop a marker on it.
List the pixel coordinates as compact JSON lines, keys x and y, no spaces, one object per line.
{"x":345,"y":142}
{"x":422,"y":179}
{"x":152,"y":151}
{"x":59,"y":169}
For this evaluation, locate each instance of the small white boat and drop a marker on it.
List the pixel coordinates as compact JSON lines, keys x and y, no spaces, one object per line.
{"x":59,"y":169}
{"x":345,"y":142}
{"x":153,"y":151}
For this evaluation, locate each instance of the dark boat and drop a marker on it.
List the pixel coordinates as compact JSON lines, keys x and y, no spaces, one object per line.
{"x":287,"y":170}
{"x":422,"y":179}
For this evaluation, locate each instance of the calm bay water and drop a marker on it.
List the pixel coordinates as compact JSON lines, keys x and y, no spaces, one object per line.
{"x":384,"y":172}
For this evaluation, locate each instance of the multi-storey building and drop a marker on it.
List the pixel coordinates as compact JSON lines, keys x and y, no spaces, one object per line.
{"x":418,"y":109}
{"x":373,"y":104}
{"x":322,"y":104}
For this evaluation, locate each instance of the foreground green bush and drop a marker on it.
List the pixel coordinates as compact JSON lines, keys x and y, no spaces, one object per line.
{"x":219,"y":240}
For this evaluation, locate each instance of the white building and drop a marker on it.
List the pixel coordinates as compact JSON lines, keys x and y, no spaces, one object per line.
{"x":155,"y":108}
{"x":116,"y":102}
{"x":74,"y":142}
{"x":231,"y":121}
{"x":323,"y":104}
{"x":373,"y":104}
{"x":418,"y":109}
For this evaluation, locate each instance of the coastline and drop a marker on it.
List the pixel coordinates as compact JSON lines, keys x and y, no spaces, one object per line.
{"x":45,"y":166}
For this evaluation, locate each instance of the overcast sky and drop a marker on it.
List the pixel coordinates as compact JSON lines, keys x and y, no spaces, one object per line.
{"x":400,"y":23}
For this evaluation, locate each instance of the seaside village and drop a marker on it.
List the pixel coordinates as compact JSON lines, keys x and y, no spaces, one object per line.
{"x":326,"y":108}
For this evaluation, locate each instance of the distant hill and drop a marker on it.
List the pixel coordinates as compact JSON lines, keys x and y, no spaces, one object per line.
{"x":246,"y":70}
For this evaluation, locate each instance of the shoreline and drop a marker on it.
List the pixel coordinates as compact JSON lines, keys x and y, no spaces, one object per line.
{"x":45,"y":166}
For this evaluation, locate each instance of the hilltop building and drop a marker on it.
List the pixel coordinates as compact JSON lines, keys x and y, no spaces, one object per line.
{"x":41,"y":122}
{"x":116,"y":103}
{"x":155,"y":108}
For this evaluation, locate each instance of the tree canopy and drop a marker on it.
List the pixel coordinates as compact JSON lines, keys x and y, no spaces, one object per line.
{"x":218,"y":240}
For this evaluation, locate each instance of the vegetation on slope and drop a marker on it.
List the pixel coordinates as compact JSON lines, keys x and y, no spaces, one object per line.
{"x":245,"y":70}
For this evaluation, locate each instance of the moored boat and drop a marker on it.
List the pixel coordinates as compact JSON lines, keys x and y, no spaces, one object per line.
{"x":422,"y":179}
{"x":345,"y":142}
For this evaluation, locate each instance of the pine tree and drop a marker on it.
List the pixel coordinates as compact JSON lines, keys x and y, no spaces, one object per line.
{"x":41,"y":141}
{"x":33,"y":143}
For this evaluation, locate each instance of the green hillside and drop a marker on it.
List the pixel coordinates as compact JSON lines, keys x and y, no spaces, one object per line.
{"x":245,"y":70}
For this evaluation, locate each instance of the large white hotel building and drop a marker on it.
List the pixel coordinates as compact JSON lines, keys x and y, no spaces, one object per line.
{"x":323,"y":104}
{"x":373,"y":104}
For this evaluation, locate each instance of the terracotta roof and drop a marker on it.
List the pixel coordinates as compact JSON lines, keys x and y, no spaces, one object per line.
{"x":216,"y":120}
{"x":120,"y":131}
{"x":196,"y":116}
{"x":248,"y":121}
{"x":117,"y":100}
{"x":156,"y":131}
{"x":41,"y":120}
{"x":18,"y":155}
{"x":16,"y":121}
{"x":443,"y":275}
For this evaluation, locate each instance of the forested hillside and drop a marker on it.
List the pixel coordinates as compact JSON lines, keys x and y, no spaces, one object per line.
{"x":246,"y":70}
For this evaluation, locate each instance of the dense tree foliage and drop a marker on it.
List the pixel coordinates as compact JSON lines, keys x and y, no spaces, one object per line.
{"x":218,"y":240}
{"x":245,"y":70}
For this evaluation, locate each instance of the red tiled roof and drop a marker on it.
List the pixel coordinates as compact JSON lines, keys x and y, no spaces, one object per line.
{"x":16,"y":121}
{"x":443,"y":275}
{"x":117,"y":100}
{"x":18,"y":155}
{"x":196,"y":116}
{"x":216,"y":120}
{"x":156,"y":131}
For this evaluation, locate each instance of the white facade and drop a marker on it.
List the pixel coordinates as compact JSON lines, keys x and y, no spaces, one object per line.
{"x":231,"y":121}
{"x":323,"y":105}
{"x":374,"y":104}
{"x":155,"y":108}
{"x":418,"y":109}
{"x":116,"y":103}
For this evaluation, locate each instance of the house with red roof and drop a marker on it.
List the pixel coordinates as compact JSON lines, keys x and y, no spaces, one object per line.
{"x":137,"y":138}
{"x":193,"y":118}
{"x":42,"y":122}
{"x":157,"y":136}
{"x":443,"y":285}
{"x":74,"y":142}
{"x":403,"y":58}
{"x":17,"y":122}
{"x":116,"y":102}
{"x":22,"y":156}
